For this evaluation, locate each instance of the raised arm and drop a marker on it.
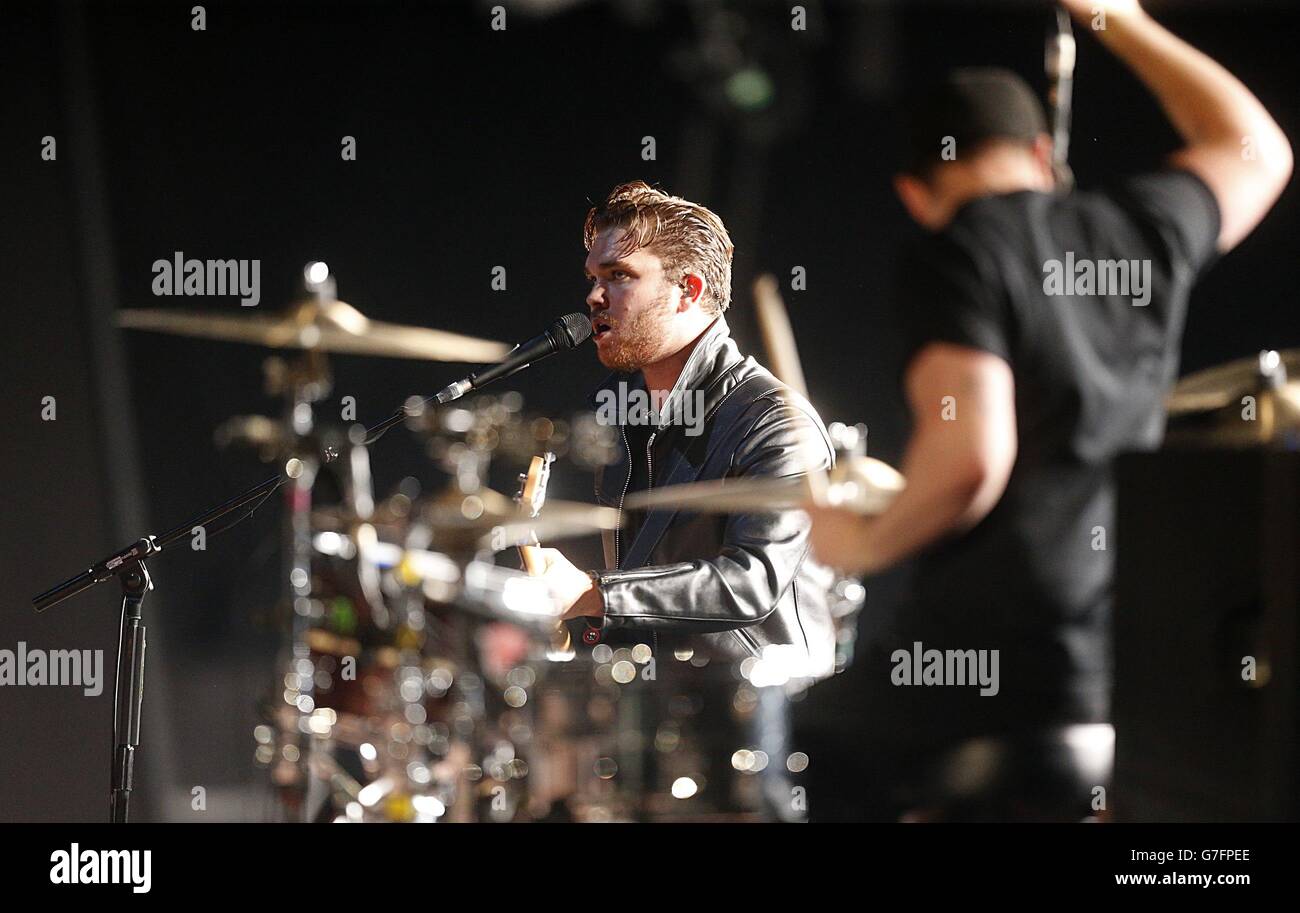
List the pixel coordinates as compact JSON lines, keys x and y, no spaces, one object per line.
{"x":1232,"y":142}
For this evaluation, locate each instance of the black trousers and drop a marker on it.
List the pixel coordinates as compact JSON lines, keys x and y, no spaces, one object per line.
{"x":881,"y":752}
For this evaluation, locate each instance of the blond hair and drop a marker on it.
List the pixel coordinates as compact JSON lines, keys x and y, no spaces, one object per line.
{"x":687,"y":237}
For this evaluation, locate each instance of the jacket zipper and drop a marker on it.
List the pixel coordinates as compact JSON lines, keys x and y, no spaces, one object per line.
{"x":618,"y":529}
{"x":650,"y":481}
{"x":649,"y":462}
{"x":649,"y":484}
{"x":626,"y":482}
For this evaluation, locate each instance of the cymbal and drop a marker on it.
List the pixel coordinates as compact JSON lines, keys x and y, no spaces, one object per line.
{"x":489,"y":513}
{"x":863,"y":484}
{"x":334,"y":326}
{"x":456,"y":517}
{"x":561,"y":520}
{"x":1226,"y":384}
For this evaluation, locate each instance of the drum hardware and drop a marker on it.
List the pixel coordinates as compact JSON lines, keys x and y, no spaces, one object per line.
{"x":847,"y":595}
{"x":867,"y":484}
{"x":1244,"y":403}
{"x":464,"y":437}
{"x":317,"y":326}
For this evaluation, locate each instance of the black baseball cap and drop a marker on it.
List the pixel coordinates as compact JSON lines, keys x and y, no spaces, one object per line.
{"x":972,"y":105}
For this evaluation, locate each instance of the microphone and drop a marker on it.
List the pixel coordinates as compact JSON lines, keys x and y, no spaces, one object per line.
{"x":568,"y":332}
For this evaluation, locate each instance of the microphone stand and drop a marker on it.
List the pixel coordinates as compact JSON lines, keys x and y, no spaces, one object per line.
{"x":448,"y":394}
{"x":128,"y":566}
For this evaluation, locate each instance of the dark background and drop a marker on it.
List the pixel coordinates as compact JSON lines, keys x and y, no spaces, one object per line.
{"x":475,"y":148}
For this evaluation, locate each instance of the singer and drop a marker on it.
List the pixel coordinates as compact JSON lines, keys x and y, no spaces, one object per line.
{"x":697,"y":586}
{"x":659,"y":268}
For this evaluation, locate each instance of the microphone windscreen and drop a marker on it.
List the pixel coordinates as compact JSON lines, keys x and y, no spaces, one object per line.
{"x":575,"y":328}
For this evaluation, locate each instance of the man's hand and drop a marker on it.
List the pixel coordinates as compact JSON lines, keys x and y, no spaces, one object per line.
{"x":841,"y":539}
{"x":572,"y":587}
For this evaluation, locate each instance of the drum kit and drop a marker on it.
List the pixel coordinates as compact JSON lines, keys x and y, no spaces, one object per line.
{"x":421,"y":677}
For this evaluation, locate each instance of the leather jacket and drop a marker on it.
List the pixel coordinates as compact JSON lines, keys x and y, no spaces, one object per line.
{"x":730,"y":585}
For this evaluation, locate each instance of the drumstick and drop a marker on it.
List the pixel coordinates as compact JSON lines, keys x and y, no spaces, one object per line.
{"x":783,"y":354}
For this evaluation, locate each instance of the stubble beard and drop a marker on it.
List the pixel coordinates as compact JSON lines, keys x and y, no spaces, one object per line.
{"x":640,"y":338}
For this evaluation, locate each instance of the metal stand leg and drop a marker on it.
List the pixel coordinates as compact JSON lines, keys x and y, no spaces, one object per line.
{"x":128,"y":689}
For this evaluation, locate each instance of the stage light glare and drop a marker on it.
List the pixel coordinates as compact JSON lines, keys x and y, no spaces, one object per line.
{"x":750,"y":89}
{"x":684,"y":788}
{"x":317,"y":272}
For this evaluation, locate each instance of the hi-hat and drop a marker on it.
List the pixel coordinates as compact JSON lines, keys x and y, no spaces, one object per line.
{"x":332,"y":327}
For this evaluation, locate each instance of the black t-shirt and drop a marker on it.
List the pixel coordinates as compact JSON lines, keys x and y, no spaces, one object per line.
{"x":1091,"y":369}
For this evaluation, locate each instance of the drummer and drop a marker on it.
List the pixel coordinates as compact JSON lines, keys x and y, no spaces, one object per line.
{"x":1022,"y":389}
